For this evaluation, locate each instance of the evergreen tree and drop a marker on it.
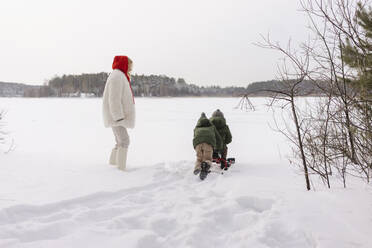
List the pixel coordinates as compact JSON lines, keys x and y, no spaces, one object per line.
{"x":358,"y":52}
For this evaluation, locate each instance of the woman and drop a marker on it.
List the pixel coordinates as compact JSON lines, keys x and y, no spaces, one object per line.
{"x":119,"y":109}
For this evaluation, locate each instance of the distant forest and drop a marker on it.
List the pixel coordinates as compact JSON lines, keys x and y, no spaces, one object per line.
{"x":92,"y":85}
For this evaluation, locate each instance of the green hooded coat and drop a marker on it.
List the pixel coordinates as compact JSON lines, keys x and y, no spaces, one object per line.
{"x":219,"y":121}
{"x":205,"y":132}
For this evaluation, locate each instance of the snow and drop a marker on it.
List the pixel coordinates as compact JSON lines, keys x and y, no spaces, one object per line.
{"x":57,"y":189}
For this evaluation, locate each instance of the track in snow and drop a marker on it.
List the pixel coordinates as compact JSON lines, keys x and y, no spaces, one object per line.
{"x":175,"y":209}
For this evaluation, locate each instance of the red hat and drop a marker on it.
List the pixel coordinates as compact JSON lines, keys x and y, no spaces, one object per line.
{"x":121,"y":63}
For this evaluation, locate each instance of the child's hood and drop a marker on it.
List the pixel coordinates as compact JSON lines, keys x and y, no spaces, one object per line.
{"x":203,"y":121}
{"x":218,"y":122}
{"x":218,"y":113}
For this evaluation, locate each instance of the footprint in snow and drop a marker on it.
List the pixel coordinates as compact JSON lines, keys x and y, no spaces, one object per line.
{"x":254,"y":203}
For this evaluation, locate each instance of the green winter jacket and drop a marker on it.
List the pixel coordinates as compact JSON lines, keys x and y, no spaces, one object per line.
{"x":223,"y":129}
{"x":205,"y":132}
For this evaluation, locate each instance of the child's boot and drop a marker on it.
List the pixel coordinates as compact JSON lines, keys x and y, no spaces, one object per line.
{"x":204,"y":170}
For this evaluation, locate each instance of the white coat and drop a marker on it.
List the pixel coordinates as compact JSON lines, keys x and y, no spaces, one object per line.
{"x":118,"y":101}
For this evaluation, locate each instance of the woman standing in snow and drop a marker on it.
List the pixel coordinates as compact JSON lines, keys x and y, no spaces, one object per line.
{"x":119,"y":109}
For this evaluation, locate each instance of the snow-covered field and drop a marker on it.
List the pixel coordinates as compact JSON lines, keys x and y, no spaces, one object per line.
{"x":57,"y":189}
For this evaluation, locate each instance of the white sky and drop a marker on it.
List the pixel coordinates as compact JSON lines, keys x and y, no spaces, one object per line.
{"x":204,"y":41}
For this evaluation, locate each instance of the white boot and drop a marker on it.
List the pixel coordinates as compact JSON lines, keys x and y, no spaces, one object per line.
{"x":113,"y":156}
{"x":121,"y":157}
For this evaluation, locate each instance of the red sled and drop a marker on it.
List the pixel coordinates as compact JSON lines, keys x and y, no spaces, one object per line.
{"x":224,"y":163}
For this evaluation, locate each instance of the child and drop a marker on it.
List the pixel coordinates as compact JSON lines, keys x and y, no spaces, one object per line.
{"x":219,"y":121}
{"x":206,"y":138}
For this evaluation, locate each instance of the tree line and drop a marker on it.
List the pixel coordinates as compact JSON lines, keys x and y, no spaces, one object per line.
{"x":143,"y":86}
{"x":92,"y":85}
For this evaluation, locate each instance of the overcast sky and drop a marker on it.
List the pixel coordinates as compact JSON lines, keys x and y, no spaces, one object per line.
{"x":204,"y":41}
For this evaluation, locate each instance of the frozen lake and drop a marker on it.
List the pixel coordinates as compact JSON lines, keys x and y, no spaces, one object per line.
{"x":163,"y":132}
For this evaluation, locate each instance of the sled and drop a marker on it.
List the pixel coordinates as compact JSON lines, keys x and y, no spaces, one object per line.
{"x":224,"y":164}
{"x":218,"y":166}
